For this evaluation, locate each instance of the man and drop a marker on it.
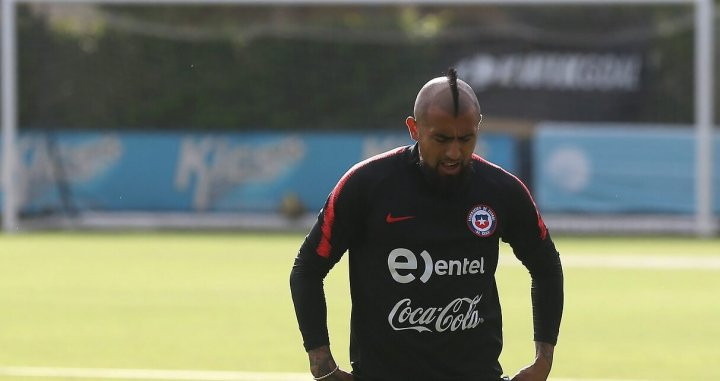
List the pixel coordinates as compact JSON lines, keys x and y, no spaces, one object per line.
{"x":422,"y":225}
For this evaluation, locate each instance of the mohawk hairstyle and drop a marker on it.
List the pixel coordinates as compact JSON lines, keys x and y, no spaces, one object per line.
{"x":452,"y":78}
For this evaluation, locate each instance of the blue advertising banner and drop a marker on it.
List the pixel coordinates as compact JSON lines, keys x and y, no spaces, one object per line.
{"x":243,"y":172}
{"x":617,"y":169}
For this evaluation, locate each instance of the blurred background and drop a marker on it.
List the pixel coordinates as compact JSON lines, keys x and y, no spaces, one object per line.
{"x":170,"y":156}
{"x":244,"y":115}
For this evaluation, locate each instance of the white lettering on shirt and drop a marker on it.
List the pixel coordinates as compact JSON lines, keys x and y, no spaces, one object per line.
{"x":403,"y":262}
{"x":458,"y":315}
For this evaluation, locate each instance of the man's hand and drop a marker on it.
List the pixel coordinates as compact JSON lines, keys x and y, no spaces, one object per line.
{"x":322,"y":363}
{"x":540,"y":369}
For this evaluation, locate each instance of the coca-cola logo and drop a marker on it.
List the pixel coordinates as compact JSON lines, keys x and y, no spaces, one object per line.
{"x":459,"y":314}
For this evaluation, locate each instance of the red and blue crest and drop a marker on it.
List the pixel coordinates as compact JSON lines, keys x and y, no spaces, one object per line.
{"x":482,"y":221}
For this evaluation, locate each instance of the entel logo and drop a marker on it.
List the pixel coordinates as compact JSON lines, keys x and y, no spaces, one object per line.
{"x":441,"y":267}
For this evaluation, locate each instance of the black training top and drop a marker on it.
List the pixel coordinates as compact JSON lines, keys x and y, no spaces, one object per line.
{"x":424,"y":300}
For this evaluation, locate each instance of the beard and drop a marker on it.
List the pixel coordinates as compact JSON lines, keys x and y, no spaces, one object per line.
{"x":446,"y":185}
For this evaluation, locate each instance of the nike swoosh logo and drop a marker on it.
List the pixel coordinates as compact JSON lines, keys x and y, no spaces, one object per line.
{"x":391,"y":220}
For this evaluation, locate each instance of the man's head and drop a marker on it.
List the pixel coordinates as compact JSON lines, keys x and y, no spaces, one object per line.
{"x":445,"y":124}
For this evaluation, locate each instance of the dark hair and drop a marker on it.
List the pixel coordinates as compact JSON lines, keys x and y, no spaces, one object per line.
{"x":452,"y":78}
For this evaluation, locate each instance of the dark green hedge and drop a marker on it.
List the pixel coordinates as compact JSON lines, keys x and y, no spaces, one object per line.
{"x":348,"y":67}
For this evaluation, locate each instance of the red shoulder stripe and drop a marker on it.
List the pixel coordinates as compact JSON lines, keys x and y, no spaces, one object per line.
{"x":541,"y":223}
{"x":324,"y":247}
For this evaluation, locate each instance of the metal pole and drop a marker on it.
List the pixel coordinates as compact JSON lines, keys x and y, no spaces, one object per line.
{"x":370,"y":2}
{"x":9,"y":117}
{"x":704,"y":102}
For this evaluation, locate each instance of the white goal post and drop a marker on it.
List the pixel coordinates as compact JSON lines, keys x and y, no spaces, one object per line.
{"x":703,"y":86}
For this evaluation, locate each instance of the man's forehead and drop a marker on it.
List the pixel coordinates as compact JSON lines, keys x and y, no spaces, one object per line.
{"x":439,"y":121}
{"x":454,"y":130}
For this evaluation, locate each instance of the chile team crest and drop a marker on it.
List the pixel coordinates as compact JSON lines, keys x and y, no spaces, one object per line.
{"x":482,"y":221}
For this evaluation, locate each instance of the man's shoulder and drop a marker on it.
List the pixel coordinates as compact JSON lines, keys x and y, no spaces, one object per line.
{"x":367,"y":174}
{"x":489,"y":169}
{"x":489,"y":172}
{"x":381,"y":164}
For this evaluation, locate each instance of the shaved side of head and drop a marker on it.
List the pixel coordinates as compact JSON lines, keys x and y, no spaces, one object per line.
{"x":451,"y":95}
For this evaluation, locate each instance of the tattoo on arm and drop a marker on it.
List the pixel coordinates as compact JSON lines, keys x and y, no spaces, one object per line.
{"x":545,"y":352}
{"x":321,"y":361}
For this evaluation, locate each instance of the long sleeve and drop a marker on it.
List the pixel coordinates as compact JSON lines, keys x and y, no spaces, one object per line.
{"x":306,"y":285}
{"x":546,"y":291}
{"x":323,"y":247}
{"x":532,"y":245}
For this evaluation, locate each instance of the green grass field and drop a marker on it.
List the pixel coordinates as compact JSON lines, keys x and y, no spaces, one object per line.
{"x":221,"y":301}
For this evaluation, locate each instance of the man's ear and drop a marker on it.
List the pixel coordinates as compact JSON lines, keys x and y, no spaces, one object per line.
{"x":412,"y":127}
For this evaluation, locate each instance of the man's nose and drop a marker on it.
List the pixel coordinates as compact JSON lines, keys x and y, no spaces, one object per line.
{"x":453,"y":150}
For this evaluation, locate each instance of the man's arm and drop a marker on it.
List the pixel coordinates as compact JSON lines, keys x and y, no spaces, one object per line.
{"x":308,"y":295}
{"x":323,"y":366}
{"x":540,"y":369}
{"x":547,"y":304}
{"x":306,"y":284}
{"x":307,"y":291}
{"x":323,"y":247}
{"x":531,"y":243}
{"x":544,"y":353}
